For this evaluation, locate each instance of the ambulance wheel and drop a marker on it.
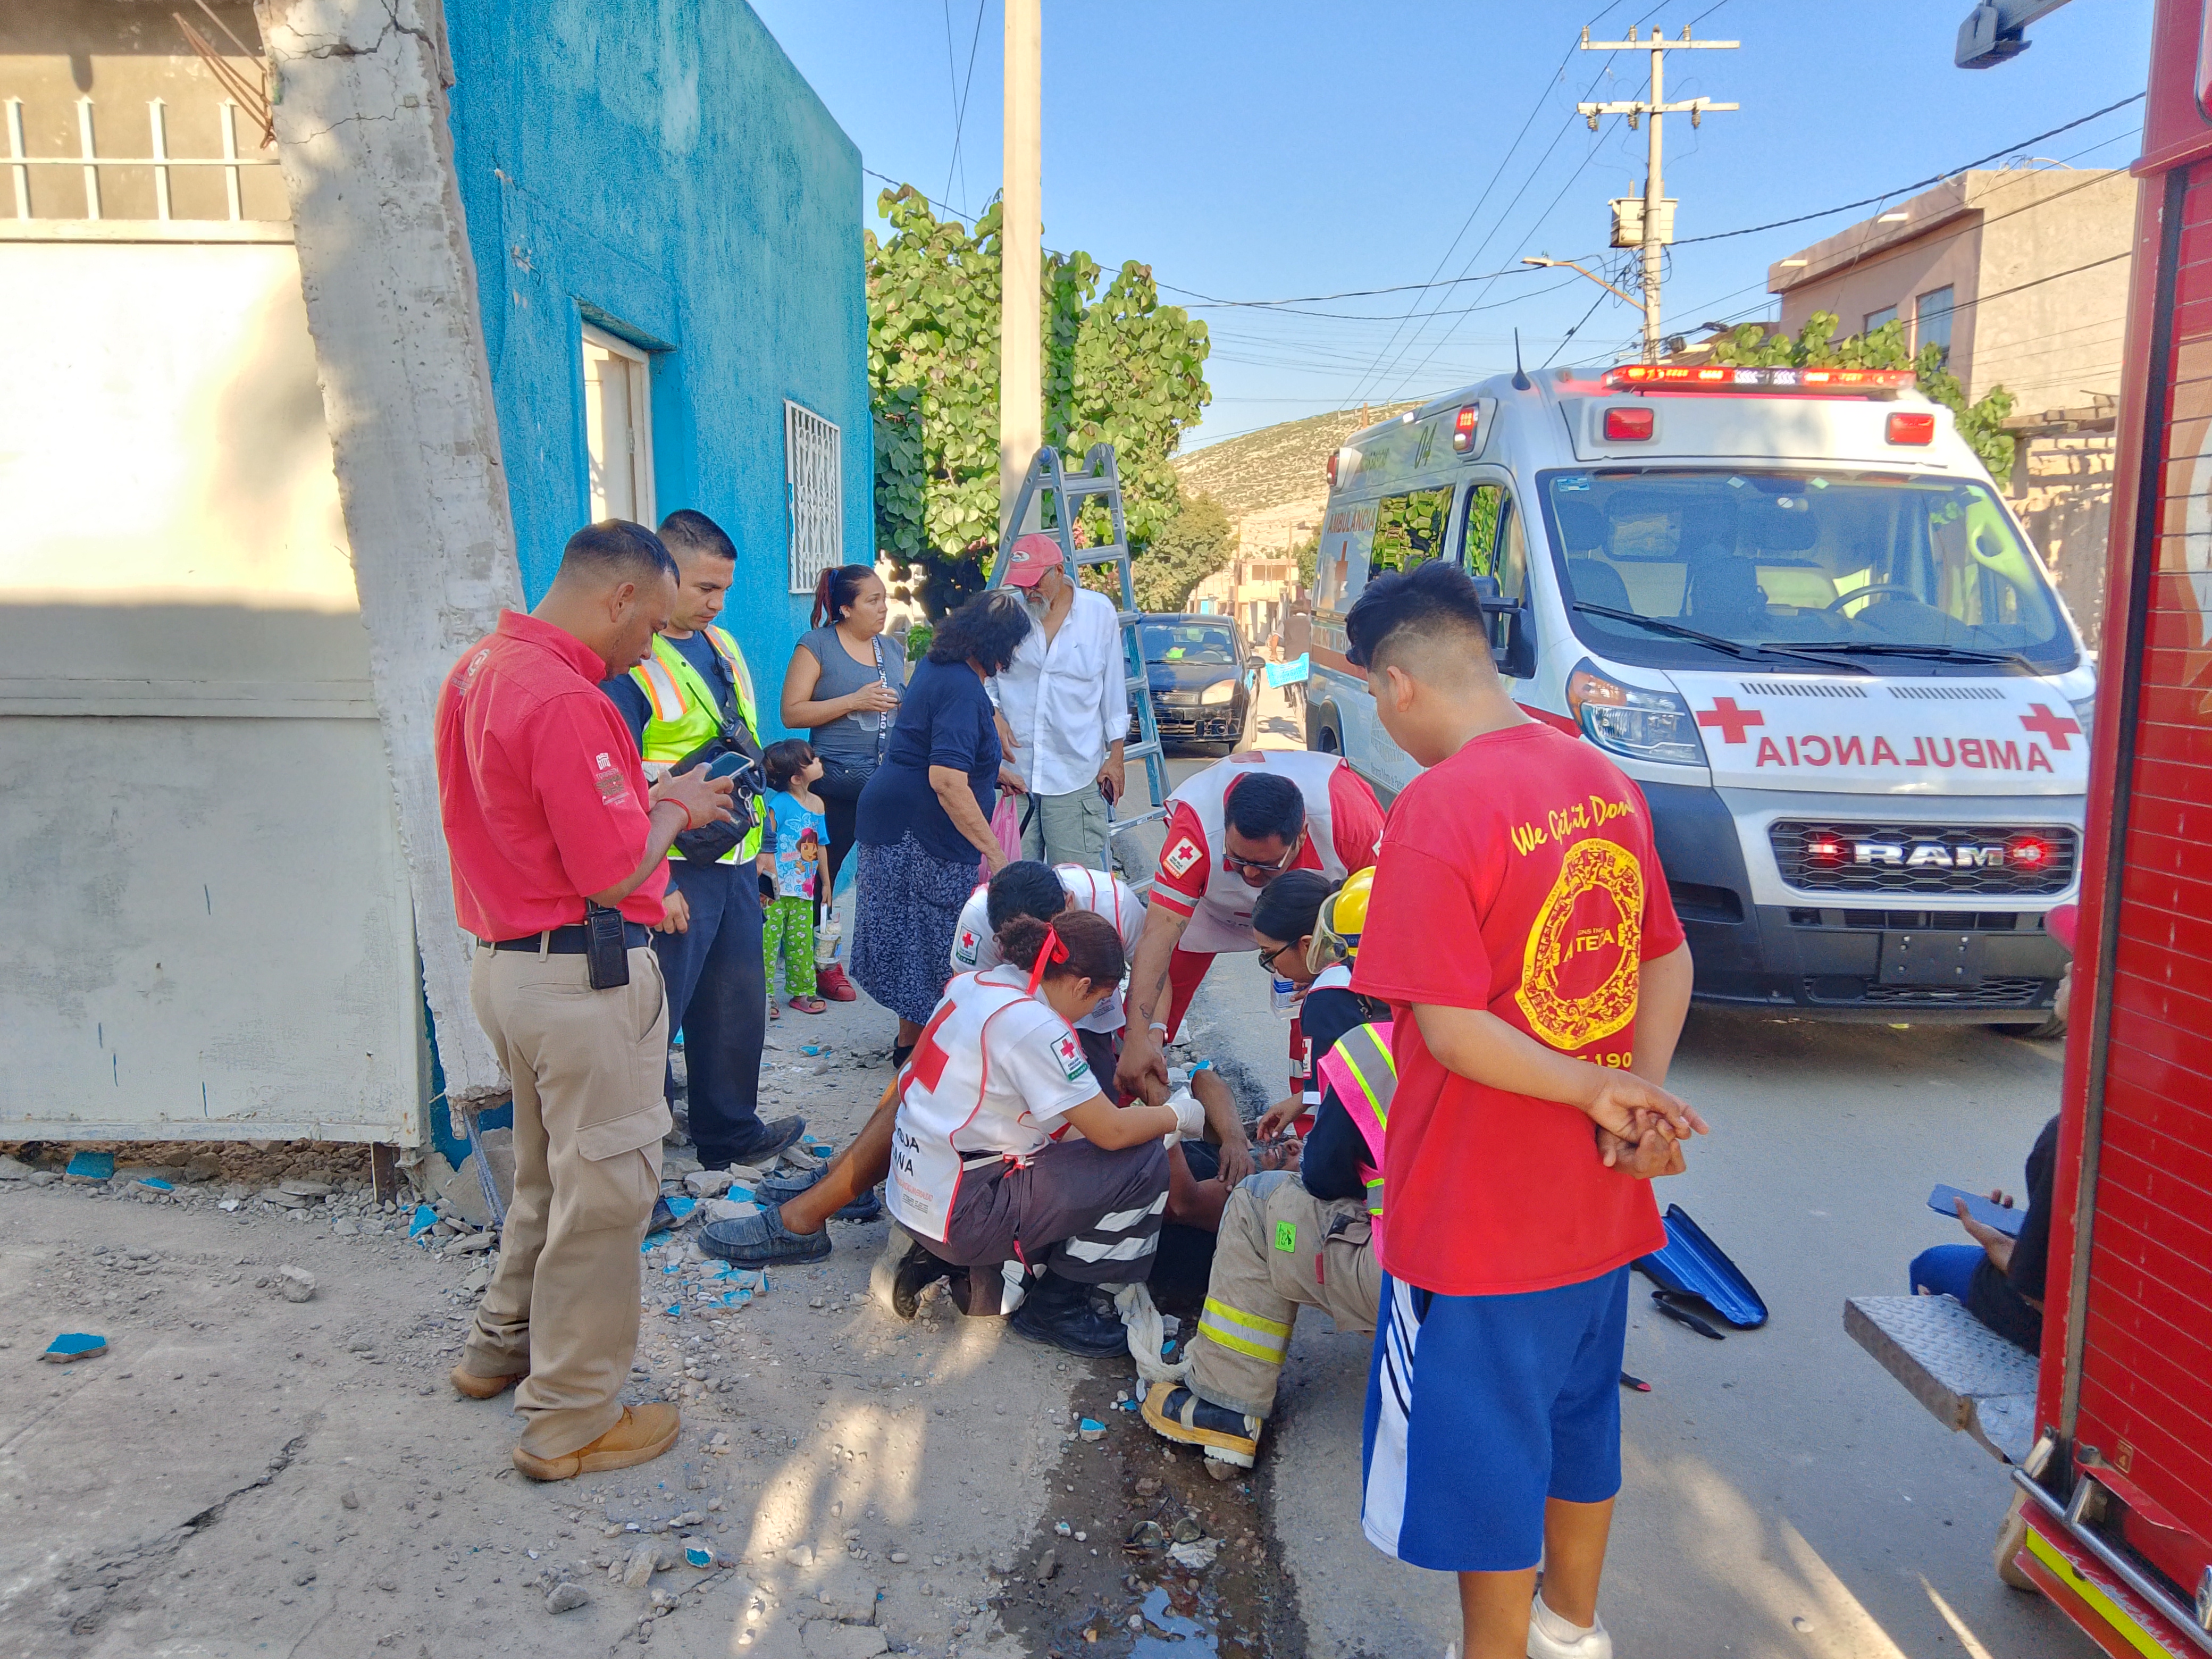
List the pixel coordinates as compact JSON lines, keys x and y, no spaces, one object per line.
{"x":2053,"y":1027}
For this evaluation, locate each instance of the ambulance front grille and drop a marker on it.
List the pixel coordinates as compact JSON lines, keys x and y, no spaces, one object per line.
{"x":1976,"y":861}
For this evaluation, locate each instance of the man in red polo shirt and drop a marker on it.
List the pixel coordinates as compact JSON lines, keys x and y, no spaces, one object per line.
{"x":546,"y":808}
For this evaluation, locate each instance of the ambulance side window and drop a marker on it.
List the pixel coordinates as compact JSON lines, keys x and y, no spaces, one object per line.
{"x":1409,"y":529}
{"x":1490,"y":542}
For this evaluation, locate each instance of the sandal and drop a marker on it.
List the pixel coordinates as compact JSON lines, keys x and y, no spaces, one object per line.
{"x":773,"y":1012}
{"x":809,"y":1005}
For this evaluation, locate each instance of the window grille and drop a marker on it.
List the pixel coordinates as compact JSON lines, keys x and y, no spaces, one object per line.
{"x":814,"y":472}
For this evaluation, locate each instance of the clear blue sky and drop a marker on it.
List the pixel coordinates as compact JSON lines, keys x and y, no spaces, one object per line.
{"x":1249,"y":151}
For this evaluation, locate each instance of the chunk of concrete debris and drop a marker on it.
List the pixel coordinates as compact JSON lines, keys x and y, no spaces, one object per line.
{"x":305,"y":1189}
{"x":297,"y":1283}
{"x":644,"y":1560}
{"x":707,"y":1183}
{"x":565,"y":1597}
{"x":350,"y":1498}
{"x":848,"y":1596}
{"x":1198,"y":1556}
{"x":14,"y":1169}
{"x":799,"y":1555}
{"x":72,"y":1346}
{"x":1048,"y":1563}
{"x":471,"y":1244}
{"x":825,"y":1640}
{"x":282,"y":1200}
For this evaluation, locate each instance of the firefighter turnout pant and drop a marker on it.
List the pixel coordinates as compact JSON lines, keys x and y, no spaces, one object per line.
{"x":1280,"y":1248}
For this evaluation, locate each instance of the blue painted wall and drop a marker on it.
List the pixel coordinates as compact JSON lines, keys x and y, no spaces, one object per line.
{"x":659,"y":168}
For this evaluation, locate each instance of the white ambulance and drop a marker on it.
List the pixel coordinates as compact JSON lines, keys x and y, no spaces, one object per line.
{"x":1791,"y":605}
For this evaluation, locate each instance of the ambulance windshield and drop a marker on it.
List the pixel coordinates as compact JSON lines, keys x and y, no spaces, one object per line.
{"x":1875,"y":573}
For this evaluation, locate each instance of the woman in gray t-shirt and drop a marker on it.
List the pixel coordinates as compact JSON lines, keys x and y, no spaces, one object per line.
{"x":843,"y":690}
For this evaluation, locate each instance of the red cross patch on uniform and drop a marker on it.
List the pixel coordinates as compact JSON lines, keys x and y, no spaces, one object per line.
{"x":613,"y":787}
{"x":1181,"y":856}
{"x":1069,"y":1052}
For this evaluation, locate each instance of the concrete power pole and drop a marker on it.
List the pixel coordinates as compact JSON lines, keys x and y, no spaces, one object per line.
{"x":1649,"y":222}
{"x":1021,"y":321}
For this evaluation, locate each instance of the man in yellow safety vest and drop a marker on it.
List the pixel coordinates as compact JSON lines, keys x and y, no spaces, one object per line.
{"x":693,"y":688}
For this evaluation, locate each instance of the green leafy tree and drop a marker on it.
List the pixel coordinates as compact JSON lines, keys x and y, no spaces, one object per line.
{"x":1119,"y":367}
{"x":1308,"y":555}
{"x":1190,"y":547}
{"x":1981,"y":422}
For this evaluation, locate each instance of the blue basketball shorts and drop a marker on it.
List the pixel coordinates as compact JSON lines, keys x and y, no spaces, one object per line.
{"x":1480,"y":1407}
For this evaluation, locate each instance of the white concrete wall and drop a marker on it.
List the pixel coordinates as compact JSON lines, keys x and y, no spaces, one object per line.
{"x":209,"y":934}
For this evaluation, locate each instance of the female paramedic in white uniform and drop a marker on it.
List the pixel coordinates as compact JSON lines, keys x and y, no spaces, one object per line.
{"x":985,"y":1174}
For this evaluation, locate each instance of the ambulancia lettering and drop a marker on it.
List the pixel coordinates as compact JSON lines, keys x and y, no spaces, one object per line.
{"x":1816,"y":750}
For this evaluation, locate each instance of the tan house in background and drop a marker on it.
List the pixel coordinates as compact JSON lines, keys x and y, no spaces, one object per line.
{"x":2021,"y":275}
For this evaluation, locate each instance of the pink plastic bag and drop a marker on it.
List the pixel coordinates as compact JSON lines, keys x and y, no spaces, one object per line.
{"x":1007,"y":825}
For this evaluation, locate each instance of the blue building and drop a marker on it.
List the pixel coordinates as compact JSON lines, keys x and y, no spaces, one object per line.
{"x":666,"y":227}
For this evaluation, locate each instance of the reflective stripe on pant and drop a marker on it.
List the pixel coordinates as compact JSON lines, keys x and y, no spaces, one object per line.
{"x":1090,"y":1214}
{"x":1278,"y":1251}
{"x":588,"y":1120}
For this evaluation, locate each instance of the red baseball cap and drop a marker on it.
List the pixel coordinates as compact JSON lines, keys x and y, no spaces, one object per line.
{"x":1031,"y":557}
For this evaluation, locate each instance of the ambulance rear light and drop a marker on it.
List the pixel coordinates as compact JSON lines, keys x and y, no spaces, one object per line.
{"x":1629,"y":426}
{"x":1728,"y":377}
{"x":1912,"y":427}
{"x":1632,"y":721}
{"x":1332,"y":469}
{"x":1463,"y":425}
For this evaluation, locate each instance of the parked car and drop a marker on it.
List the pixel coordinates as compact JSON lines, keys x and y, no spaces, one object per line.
{"x":1202,"y":676}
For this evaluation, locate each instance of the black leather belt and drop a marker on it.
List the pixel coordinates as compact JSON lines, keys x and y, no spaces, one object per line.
{"x":569,"y":941}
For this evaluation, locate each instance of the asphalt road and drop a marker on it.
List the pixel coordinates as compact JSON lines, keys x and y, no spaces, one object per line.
{"x":1784,"y":1496}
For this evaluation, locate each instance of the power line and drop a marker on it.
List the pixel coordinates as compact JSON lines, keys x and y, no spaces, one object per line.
{"x":1918,"y":184}
{"x":966,"y":86}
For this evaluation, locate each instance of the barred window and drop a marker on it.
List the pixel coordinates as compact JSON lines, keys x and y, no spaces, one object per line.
{"x":814,"y":474}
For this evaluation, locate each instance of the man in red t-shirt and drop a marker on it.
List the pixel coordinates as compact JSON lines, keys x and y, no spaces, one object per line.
{"x":1231,"y":830}
{"x":1521,"y":930}
{"x":547,"y":812}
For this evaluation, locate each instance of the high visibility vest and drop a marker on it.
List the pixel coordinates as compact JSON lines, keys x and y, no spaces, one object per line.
{"x":1365,"y":1076}
{"x":1223,"y":918}
{"x":686,"y":712}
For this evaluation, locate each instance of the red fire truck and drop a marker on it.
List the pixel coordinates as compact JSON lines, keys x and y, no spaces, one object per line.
{"x":2119,"y":1485}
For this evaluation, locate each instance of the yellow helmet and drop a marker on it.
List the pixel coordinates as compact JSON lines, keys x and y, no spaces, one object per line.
{"x":1342,"y":920}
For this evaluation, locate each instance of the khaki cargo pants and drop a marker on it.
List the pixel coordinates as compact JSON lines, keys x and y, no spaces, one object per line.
{"x":1280,"y":1248}
{"x":588,"y":1067}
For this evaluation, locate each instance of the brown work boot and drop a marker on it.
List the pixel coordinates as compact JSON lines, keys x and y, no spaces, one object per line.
{"x":482,"y":1388}
{"x":643,"y":1433}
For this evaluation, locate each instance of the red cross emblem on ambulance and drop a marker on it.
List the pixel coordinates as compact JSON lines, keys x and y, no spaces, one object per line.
{"x":1733,"y":723}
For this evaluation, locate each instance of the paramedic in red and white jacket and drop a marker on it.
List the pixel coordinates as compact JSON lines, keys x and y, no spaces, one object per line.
{"x":984,"y":1174}
{"x":1027,"y":887}
{"x":1231,"y":830}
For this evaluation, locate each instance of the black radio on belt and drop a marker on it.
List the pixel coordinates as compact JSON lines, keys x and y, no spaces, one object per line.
{"x":606,"y":947}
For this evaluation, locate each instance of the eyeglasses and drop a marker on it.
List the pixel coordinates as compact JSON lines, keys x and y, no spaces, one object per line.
{"x":1267,"y":958}
{"x":1256,"y":867}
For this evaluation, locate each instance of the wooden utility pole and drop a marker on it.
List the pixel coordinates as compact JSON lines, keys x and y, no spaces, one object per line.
{"x":1021,"y":321}
{"x":1651,"y":219}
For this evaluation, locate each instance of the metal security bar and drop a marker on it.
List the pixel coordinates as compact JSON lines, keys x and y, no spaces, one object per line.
{"x":90,"y":161}
{"x":814,"y":491}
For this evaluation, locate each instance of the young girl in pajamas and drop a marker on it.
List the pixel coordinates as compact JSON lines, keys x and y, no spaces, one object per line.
{"x":791,"y":870}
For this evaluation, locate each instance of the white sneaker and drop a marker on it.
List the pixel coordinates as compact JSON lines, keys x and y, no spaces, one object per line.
{"x":1596,"y":1643}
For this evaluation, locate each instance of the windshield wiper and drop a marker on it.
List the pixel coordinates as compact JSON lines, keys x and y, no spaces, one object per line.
{"x":1899,"y":649}
{"x":1683,"y":631}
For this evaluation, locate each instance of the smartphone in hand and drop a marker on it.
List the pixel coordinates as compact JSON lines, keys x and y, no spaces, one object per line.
{"x":2007,"y":1222}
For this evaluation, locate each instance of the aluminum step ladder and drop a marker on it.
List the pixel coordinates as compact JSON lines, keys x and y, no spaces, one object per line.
{"x":1049,"y":480}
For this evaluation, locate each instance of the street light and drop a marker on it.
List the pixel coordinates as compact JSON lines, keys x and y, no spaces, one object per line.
{"x":1571,"y":266}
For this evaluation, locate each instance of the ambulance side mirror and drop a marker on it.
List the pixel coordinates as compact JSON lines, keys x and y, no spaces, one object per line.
{"x":1512,"y":635}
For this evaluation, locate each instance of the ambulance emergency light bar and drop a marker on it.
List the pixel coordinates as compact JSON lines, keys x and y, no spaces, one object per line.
{"x":1684,"y":377}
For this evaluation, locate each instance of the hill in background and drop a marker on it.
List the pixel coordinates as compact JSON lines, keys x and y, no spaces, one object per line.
{"x":1272,"y":483}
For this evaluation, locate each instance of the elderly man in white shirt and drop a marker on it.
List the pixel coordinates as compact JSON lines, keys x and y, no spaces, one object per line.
{"x":1063,"y":709}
